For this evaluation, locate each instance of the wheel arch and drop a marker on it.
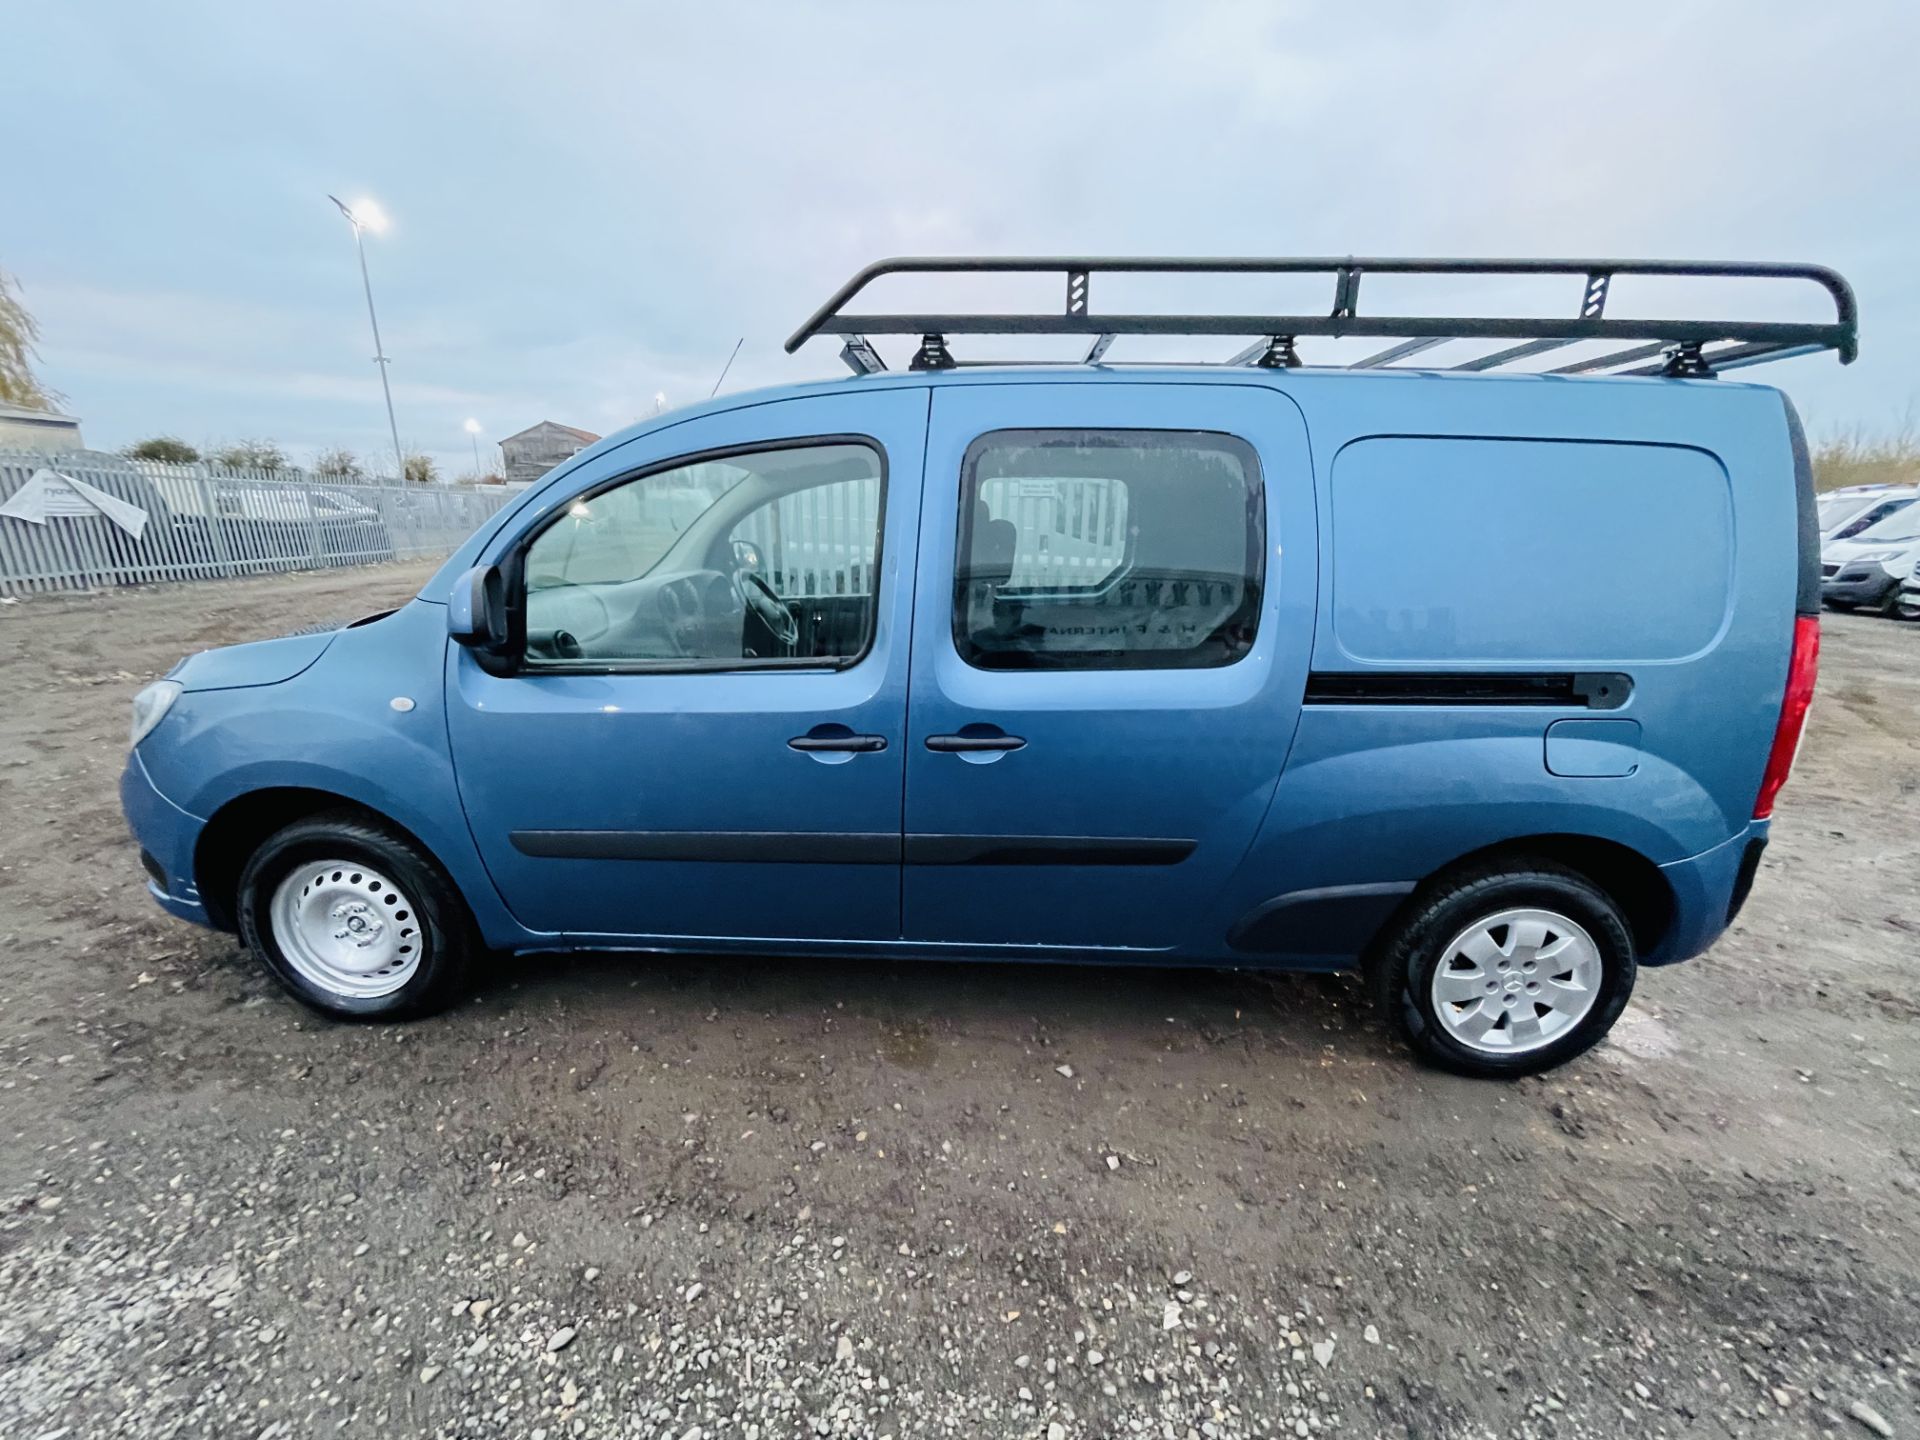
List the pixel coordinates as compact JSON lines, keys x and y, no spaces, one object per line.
{"x":1628,"y":878}
{"x":234,"y":831}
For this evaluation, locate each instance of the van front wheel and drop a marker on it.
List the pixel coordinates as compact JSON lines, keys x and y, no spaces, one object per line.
{"x":1507,"y":970}
{"x":355,"y":921}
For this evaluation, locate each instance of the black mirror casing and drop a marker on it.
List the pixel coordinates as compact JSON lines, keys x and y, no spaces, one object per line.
{"x":477,"y":610}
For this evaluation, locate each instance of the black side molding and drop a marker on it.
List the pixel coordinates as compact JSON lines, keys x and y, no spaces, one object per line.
{"x":1044,"y":850}
{"x":1606,"y":690}
{"x":1336,"y":920}
{"x":790,"y":847}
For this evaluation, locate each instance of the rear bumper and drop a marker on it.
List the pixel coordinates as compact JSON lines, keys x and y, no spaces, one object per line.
{"x":166,"y":835}
{"x":1708,"y":891}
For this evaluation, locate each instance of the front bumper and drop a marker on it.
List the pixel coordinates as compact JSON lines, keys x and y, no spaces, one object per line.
{"x":166,"y":835}
{"x":1857,"y":584}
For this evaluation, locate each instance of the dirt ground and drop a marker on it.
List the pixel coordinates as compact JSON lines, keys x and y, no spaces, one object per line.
{"x":723,"y":1198}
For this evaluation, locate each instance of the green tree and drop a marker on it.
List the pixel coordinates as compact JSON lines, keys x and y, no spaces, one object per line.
{"x":339,"y":463}
{"x":18,"y":332}
{"x":168,"y":448}
{"x":251,"y":455}
{"x":419,"y":469}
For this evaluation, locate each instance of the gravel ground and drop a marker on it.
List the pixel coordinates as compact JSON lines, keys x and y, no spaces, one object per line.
{"x":704,"y":1198}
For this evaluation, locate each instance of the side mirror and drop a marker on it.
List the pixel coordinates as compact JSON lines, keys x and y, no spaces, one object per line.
{"x":477,"y":610}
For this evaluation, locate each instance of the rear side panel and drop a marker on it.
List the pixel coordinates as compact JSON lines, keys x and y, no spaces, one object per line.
{"x":1551,"y":534}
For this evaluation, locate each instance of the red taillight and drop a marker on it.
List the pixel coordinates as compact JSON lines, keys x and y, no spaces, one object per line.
{"x":1793,"y":711}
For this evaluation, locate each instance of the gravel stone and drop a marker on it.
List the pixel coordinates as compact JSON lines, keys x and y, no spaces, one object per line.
{"x":182,"y":1202}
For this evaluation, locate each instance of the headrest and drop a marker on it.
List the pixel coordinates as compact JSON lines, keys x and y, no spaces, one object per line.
{"x":994,"y":542}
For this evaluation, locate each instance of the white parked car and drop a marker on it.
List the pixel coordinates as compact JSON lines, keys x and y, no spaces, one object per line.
{"x":1907,"y":603}
{"x":249,"y":521}
{"x":1843,"y":514}
{"x":1866,"y":570}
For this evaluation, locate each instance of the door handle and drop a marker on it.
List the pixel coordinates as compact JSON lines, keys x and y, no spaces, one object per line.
{"x":973,"y":744}
{"x":851,"y":744}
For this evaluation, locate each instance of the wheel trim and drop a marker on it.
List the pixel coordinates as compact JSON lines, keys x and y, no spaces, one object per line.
{"x":1516,"y":981}
{"x":346,"y":928}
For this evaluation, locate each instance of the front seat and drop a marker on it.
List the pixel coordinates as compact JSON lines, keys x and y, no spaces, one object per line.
{"x":989,"y":568}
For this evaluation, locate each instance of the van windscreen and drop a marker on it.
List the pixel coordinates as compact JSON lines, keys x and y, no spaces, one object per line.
{"x":1902,"y":524}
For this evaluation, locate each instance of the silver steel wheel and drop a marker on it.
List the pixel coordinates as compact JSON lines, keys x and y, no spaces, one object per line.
{"x":346,"y":928}
{"x":1516,"y":981}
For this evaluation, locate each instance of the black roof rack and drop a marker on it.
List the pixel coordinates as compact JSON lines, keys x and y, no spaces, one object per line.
{"x":1665,"y":347}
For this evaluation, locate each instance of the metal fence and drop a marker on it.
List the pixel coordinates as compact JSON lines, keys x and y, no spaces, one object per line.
{"x":207,"y":523}
{"x":1072,"y":529}
{"x":819,"y":541}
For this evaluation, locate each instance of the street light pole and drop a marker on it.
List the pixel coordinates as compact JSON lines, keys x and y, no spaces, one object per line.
{"x":370,"y":216}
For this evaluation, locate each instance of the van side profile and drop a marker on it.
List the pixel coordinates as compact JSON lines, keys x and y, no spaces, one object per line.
{"x":1482,"y":681}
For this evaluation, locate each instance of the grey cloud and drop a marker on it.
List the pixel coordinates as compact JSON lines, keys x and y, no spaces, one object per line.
{"x":592,"y":203}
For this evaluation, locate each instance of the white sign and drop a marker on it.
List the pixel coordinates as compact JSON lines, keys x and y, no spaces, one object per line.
{"x":49,"y":496}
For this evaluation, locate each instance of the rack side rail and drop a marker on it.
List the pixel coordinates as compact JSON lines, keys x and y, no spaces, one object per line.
{"x":1681,"y":342}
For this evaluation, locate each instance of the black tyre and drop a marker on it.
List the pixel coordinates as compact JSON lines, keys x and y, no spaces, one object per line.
{"x":1506,"y":970}
{"x":356,"y":921}
{"x":1886,"y":604}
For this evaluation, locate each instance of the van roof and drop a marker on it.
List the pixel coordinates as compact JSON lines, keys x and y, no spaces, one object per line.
{"x":1717,"y":395}
{"x":1666,"y":346}
{"x":1103,"y":373}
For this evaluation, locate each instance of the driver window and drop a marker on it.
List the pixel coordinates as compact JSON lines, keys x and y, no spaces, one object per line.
{"x":623,"y":533}
{"x":766,"y":556}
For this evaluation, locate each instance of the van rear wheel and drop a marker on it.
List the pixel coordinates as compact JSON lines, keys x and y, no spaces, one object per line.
{"x":355,"y":921}
{"x":1507,"y":970}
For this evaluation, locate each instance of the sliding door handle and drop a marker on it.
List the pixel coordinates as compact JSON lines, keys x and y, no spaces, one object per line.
{"x":973,"y":744}
{"x":848,"y":744}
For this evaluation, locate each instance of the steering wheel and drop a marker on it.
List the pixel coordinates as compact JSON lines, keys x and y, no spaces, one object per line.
{"x":761,"y":599}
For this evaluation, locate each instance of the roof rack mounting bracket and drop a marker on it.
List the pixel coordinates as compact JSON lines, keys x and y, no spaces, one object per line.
{"x":860,"y":356}
{"x":1280,"y":354}
{"x":1684,"y":361}
{"x":932,"y":354}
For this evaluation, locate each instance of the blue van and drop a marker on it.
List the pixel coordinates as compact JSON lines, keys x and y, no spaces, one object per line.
{"x":1483,"y":681}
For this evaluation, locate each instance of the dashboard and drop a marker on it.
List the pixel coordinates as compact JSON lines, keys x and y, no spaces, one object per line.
{"x":696,"y":614}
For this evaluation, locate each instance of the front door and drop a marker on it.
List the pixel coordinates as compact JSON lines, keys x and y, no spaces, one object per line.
{"x":1111,"y":640}
{"x":703,"y":733}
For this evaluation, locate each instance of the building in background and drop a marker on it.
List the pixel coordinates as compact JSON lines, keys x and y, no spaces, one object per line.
{"x":24,"y":429}
{"x":537,"y":449}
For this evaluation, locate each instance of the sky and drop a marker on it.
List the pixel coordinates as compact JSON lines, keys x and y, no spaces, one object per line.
{"x":592,"y":202}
